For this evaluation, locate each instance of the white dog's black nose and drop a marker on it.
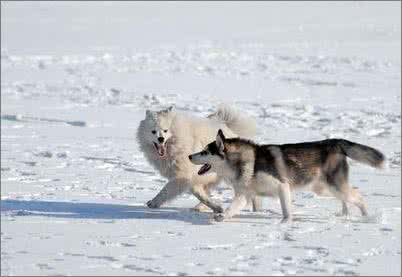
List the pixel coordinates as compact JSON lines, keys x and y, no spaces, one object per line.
{"x":190,"y":157}
{"x":161,"y":139}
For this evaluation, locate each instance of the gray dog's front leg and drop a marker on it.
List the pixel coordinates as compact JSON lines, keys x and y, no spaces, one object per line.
{"x":238,"y":203}
{"x":172,"y":189}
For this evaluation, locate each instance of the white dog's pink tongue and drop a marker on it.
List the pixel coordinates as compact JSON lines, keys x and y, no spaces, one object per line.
{"x":161,"y":149}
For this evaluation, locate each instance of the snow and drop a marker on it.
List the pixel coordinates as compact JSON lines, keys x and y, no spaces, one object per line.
{"x":76,"y":78}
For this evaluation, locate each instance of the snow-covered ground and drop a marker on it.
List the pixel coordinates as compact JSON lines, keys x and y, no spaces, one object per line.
{"x":77,"y":77}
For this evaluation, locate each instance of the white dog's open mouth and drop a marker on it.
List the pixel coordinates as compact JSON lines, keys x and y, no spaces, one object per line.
{"x":204,"y":169}
{"x":161,"y":149}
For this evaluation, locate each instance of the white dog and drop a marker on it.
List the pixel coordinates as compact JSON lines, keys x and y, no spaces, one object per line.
{"x":167,"y":138}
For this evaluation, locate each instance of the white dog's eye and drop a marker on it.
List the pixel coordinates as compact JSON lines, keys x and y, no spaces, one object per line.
{"x":153,"y":132}
{"x":165,"y":131}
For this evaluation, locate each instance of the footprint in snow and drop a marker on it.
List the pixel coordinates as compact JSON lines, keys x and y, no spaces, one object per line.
{"x":106,"y":258}
{"x":44,"y":266}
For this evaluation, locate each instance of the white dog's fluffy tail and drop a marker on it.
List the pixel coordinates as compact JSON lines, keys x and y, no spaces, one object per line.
{"x":244,"y":126}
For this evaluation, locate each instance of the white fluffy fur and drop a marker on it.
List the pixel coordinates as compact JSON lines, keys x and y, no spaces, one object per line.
{"x":184,"y":135}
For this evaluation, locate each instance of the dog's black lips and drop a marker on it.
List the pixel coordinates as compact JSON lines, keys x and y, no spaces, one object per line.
{"x":204,"y":169}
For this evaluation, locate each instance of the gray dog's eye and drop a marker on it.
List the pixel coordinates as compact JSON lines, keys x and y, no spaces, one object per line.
{"x":154,"y":132}
{"x":165,"y":131}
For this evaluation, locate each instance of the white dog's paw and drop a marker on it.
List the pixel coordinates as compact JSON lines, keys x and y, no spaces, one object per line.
{"x":151,"y":204}
{"x":201,"y":208}
{"x":219,"y":217}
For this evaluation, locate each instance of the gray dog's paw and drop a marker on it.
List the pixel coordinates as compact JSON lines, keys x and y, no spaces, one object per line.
{"x":286,"y":220}
{"x":152,"y":205}
{"x":218,"y":210}
{"x":219,"y":217}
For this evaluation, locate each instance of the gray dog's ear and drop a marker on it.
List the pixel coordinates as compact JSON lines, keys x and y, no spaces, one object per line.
{"x":149,"y":114}
{"x":221,"y":135}
{"x":167,"y":110}
{"x":220,"y":139}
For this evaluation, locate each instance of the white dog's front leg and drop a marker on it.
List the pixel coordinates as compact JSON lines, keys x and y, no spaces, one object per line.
{"x":239,"y":202}
{"x":204,"y":198}
{"x":172,"y":189}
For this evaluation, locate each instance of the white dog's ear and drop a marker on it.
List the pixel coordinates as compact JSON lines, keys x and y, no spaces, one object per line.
{"x":220,"y":139}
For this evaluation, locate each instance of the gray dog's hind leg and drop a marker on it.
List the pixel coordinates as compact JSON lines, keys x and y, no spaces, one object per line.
{"x":171,"y":190}
{"x":285,"y":196}
{"x":345,"y":210}
{"x":257,"y":203}
{"x":285,"y":199}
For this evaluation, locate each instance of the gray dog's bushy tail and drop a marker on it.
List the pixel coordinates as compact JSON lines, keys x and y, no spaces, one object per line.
{"x":363,"y":153}
{"x":242,"y":125}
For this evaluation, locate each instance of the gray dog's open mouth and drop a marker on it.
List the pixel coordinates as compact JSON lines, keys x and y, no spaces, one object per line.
{"x":204,"y":169}
{"x":161,"y":149}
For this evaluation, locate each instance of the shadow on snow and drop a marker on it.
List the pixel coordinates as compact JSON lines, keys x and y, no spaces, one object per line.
{"x":78,"y":210}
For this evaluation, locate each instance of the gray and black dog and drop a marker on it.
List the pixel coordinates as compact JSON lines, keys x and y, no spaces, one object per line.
{"x":275,"y":170}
